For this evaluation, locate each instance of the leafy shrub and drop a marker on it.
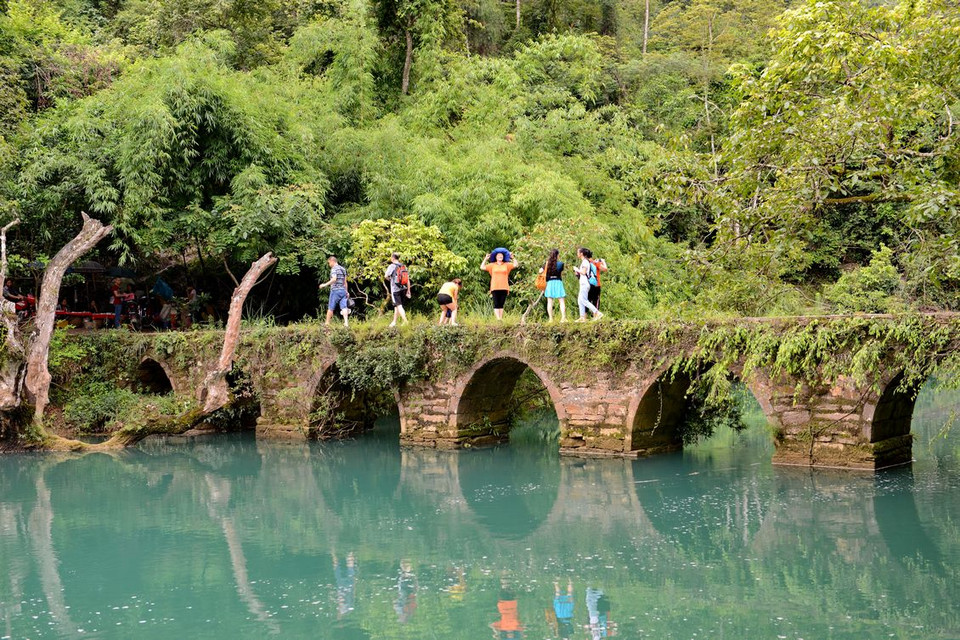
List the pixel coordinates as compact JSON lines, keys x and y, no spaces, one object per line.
{"x":705,"y":415}
{"x":869,"y":289}
{"x":66,"y":355}
{"x":97,"y":405}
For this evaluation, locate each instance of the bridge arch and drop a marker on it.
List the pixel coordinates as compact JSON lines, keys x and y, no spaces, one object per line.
{"x":481,"y":401}
{"x":337,"y":410}
{"x":655,"y":416}
{"x":153,"y":376}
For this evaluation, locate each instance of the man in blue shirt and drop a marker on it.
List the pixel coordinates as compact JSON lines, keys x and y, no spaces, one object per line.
{"x":338,"y":290}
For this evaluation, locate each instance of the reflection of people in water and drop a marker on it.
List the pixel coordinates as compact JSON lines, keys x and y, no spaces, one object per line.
{"x":598,"y":606}
{"x":508,"y":626}
{"x":563,"y":609}
{"x":346,"y":577}
{"x":407,"y":586}
{"x":458,"y":584}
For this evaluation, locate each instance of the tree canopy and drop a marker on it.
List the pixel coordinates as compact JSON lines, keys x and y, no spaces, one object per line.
{"x":732,"y":158}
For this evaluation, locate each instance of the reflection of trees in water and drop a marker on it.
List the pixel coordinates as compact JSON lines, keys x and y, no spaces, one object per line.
{"x":706,"y":512}
{"x":849,"y":532}
{"x":935,"y":433}
{"x":232,"y":455}
{"x":807,"y":545}
{"x":217,"y":497}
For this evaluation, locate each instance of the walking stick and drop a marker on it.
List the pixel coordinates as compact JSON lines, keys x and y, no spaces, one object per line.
{"x":523,"y":318}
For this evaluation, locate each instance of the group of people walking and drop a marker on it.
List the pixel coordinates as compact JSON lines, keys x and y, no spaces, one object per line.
{"x":498,"y":264}
{"x":588,"y":277}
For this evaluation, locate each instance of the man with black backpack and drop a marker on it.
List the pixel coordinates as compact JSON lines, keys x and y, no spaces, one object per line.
{"x":399,"y":284}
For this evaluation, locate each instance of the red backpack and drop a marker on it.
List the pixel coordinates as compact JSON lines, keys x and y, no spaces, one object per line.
{"x":402,"y":275}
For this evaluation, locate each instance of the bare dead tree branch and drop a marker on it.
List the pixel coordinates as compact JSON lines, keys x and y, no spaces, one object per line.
{"x":37,"y":381}
{"x":214,"y":392}
{"x":226,"y":266}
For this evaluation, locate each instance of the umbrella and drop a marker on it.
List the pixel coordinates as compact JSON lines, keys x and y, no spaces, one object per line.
{"x":87,"y":266}
{"x":120,"y":272}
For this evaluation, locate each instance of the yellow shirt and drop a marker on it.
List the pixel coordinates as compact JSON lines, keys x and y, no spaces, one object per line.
{"x":450,"y":288}
{"x":499,"y":275}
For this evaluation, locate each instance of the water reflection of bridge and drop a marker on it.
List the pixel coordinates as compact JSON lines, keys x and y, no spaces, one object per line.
{"x":286,"y":503}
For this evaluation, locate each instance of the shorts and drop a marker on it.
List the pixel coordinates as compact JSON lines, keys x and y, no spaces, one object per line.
{"x":499,"y":298}
{"x":399,"y":298}
{"x":443,"y":298}
{"x":593,"y":296}
{"x":338,"y":297}
{"x":555,"y":289}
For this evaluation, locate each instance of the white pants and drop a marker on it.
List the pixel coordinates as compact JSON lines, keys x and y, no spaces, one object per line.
{"x":582,"y":300}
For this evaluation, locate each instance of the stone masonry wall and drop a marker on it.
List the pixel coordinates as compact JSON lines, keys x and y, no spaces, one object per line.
{"x":620,"y":410}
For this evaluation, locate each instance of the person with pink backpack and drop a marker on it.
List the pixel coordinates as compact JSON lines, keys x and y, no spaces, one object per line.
{"x":399,"y":284}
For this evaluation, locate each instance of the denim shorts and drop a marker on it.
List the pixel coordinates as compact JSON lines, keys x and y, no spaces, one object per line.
{"x":338,"y":297}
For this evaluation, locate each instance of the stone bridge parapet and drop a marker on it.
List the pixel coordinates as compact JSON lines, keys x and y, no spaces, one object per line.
{"x":616,"y":387}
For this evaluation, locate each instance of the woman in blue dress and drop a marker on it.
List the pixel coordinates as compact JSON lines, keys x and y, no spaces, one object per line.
{"x":554,"y":290}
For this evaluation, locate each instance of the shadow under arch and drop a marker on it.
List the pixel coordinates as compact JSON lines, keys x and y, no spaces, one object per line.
{"x":893,"y":414}
{"x":359,"y":480}
{"x":659,"y":416}
{"x":153,"y":378}
{"x":510,"y":491}
{"x":337,"y":410}
{"x":483,"y":402}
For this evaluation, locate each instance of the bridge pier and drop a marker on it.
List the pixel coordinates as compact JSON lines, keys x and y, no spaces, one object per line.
{"x":845,"y":425}
{"x":284,"y":414}
{"x":475,"y":409}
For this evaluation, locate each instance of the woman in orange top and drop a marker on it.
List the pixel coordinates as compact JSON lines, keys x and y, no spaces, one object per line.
{"x":499,"y":271}
{"x":508,"y":626}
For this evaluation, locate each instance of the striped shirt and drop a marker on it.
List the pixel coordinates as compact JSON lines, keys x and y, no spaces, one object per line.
{"x":339,"y":275}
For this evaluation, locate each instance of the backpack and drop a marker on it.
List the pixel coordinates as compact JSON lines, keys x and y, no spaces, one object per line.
{"x":595,"y":272}
{"x":401,"y":275}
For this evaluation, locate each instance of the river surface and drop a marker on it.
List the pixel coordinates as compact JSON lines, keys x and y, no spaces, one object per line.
{"x":227,"y":537}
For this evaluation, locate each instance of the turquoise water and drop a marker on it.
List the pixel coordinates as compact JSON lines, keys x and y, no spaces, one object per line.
{"x":227,"y":537}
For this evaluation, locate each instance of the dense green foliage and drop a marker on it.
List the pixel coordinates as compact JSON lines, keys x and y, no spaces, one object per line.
{"x":734,"y":159}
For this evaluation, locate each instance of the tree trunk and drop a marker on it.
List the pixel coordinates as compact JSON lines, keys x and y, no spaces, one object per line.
{"x":407,"y":62}
{"x":518,"y":14}
{"x":706,"y":96}
{"x":646,"y":25}
{"x":523,"y":318}
{"x":214,"y":393}
{"x":11,"y":377}
{"x":37,"y":381}
{"x":40,"y":533}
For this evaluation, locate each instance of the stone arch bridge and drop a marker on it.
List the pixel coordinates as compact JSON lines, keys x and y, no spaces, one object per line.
{"x":614,"y":386}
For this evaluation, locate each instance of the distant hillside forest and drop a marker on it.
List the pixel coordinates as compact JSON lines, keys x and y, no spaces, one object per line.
{"x":726,"y":157}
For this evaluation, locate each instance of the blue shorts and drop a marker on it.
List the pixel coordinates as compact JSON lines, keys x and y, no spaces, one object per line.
{"x":337,"y":297}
